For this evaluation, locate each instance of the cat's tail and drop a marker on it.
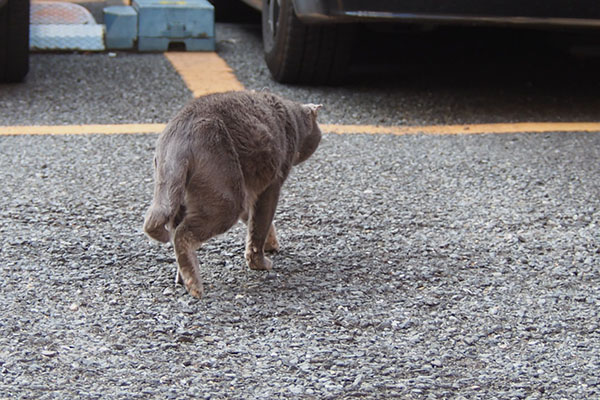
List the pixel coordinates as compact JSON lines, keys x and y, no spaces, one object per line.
{"x":169,"y":190}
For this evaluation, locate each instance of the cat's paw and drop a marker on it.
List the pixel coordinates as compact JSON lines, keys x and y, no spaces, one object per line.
{"x":192,"y":284}
{"x":271,"y":245}
{"x":194,"y":287}
{"x":258,"y":262}
{"x":265,"y":265}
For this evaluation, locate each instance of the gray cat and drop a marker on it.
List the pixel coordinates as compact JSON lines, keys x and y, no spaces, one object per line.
{"x":221,"y":158}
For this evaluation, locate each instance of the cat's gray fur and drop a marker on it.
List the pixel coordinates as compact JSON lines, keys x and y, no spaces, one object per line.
{"x":221,"y":158}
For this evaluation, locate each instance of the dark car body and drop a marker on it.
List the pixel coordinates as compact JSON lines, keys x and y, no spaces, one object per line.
{"x":532,"y":12}
{"x":524,"y":12}
{"x":309,"y":41}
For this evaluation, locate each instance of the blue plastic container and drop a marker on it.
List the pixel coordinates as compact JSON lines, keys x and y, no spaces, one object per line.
{"x":163,"y":22}
{"x":121,"y":27}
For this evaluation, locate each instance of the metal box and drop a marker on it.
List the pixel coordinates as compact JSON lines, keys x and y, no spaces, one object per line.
{"x":163,"y":22}
{"x":121,"y":27}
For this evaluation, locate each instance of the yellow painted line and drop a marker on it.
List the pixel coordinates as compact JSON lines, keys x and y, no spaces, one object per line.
{"x":472,"y":129}
{"x":468,"y":129}
{"x":204,"y":72}
{"x":81,"y":129}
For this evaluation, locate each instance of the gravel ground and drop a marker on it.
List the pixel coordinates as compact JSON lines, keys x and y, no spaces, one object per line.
{"x":422,"y":267}
{"x":94,"y":88}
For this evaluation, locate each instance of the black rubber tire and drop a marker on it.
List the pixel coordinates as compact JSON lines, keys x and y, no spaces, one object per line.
{"x":14,"y":40}
{"x":301,"y":53}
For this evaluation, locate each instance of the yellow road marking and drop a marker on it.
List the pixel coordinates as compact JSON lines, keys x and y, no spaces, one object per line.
{"x":472,"y":129}
{"x":81,"y":129}
{"x":467,"y":129}
{"x":204,"y":72}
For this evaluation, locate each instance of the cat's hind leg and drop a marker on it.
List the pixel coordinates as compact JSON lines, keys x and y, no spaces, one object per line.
{"x":186,"y":243}
{"x":271,"y":243}
{"x":260,"y":226}
{"x":209,"y":212}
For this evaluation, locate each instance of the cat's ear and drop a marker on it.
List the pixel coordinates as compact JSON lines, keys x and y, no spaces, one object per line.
{"x":313,"y":108}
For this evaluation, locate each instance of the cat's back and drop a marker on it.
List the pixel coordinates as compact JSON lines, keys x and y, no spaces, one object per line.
{"x":255,"y":130}
{"x":235,"y":108}
{"x":250,"y":118}
{"x":258,"y":123}
{"x":255,"y":121}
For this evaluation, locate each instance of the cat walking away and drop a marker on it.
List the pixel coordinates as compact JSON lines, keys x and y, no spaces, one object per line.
{"x":222,"y":158}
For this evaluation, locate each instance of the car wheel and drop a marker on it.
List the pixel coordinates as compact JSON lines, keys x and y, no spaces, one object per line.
{"x":14,"y":40}
{"x":300,"y":53}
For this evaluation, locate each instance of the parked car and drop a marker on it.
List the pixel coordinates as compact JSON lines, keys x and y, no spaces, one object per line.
{"x":309,"y":41}
{"x":14,"y":40}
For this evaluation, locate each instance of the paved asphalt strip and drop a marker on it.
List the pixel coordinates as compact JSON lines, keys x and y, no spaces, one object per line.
{"x":216,"y":76}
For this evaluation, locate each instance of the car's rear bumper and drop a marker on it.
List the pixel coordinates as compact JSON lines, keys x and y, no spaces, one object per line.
{"x":510,"y":12}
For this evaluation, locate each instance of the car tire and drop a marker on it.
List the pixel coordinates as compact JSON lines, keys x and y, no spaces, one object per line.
{"x":301,"y":53}
{"x":14,"y":40}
